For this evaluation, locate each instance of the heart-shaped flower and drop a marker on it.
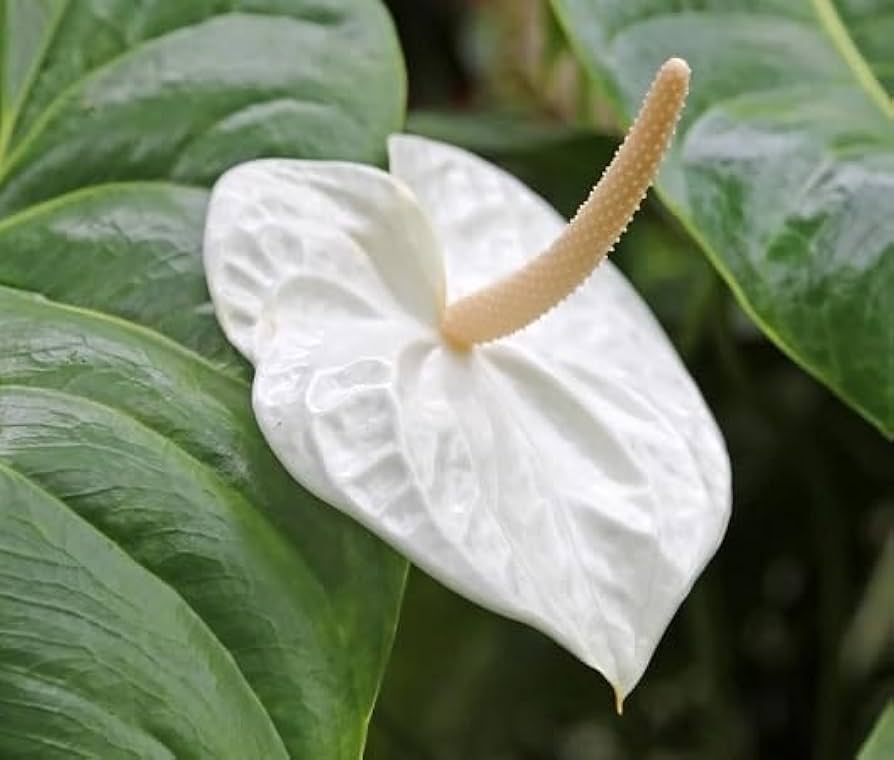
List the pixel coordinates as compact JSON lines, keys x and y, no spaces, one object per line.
{"x":567,"y":474}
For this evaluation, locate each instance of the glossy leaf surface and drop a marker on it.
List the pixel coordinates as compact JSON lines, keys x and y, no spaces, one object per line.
{"x":784,"y":166}
{"x":166,"y":589}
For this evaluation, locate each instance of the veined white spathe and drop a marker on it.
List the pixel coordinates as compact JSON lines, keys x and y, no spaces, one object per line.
{"x":557,"y":466}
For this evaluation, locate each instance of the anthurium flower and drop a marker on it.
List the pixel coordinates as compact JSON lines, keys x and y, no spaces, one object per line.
{"x":557,"y":466}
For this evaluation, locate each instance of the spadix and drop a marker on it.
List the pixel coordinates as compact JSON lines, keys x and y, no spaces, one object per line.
{"x":541,"y":283}
{"x":559,"y":468}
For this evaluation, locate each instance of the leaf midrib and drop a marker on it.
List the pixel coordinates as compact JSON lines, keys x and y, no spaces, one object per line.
{"x":11,"y":117}
{"x":134,"y":327}
{"x":830,"y":21}
{"x":49,"y":205}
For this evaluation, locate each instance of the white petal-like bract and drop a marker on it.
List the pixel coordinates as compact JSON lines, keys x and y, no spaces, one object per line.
{"x":569,"y":476}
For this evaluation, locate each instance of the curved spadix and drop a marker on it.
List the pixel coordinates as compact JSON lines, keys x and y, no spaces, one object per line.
{"x":525,"y":295}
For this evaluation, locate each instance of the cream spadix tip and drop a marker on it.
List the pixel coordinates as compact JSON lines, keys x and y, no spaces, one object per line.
{"x":525,"y":295}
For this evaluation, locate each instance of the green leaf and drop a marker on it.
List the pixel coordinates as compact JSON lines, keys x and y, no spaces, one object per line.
{"x":784,"y":164}
{"x":166,"y":589}
{"x":880,"y":744}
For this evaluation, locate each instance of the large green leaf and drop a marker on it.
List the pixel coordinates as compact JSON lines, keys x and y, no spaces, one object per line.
{"x":166,"y":590}
{"x":784,"y":164}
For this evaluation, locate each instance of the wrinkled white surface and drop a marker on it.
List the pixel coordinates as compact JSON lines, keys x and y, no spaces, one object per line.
{"x":570,"y":476}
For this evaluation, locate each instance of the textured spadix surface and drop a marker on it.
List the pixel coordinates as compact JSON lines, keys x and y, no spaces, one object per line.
{"x":569,"y":476}
{"x":544,"y":281}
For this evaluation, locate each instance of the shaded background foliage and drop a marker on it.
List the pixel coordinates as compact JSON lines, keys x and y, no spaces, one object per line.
{"x":784,"y":648}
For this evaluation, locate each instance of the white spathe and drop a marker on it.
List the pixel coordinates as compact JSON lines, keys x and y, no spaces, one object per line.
{"x":569,"y":476}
